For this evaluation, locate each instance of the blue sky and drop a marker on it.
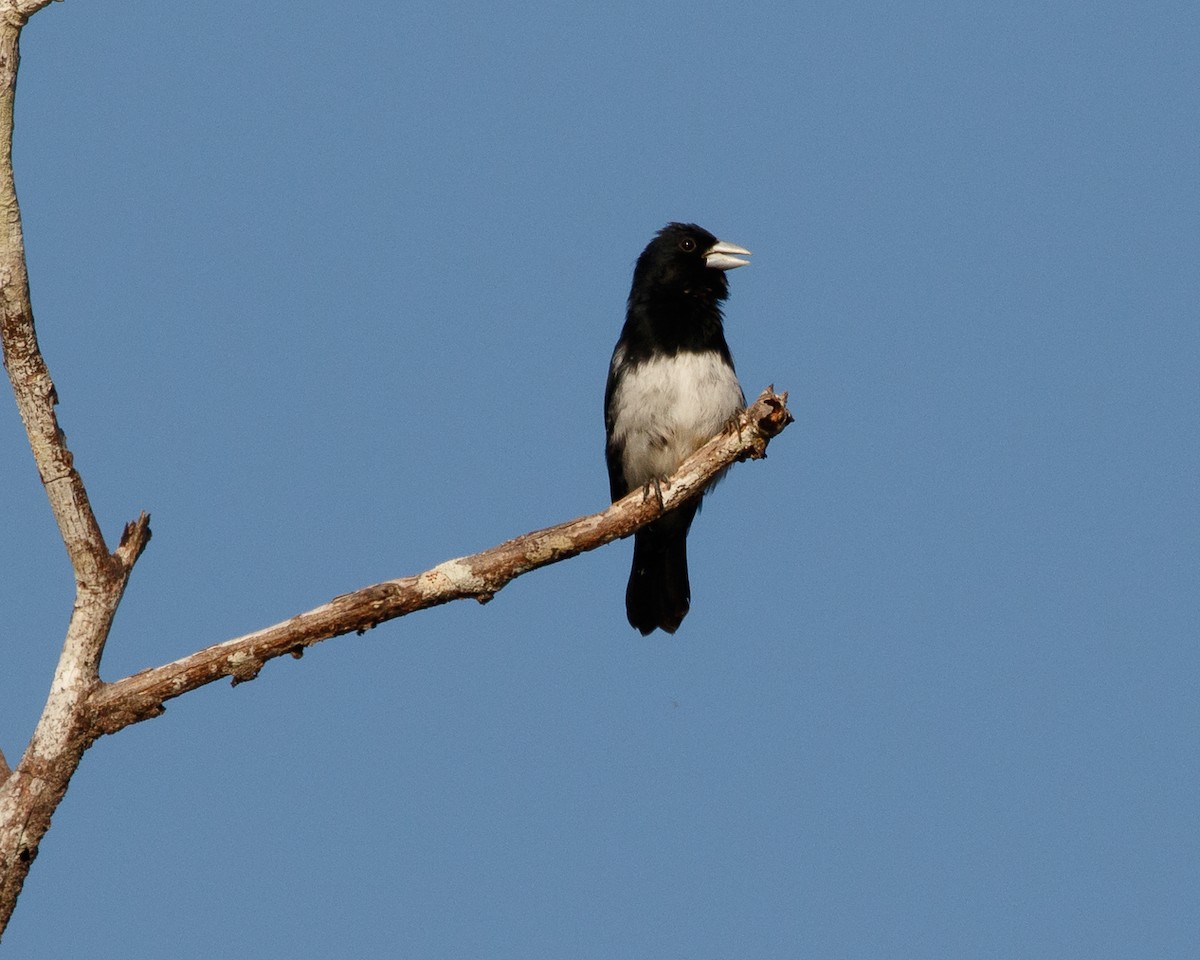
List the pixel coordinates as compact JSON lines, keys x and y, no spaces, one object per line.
{"x":331,"y":291}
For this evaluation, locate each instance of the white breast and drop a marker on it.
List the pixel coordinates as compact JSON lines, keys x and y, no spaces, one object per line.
{"x":666,"y":408}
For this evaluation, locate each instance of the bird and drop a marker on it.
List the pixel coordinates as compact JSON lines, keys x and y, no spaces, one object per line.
{"x":671,"y":388}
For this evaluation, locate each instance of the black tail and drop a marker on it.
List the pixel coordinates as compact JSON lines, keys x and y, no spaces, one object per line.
{"x":658,"y":595}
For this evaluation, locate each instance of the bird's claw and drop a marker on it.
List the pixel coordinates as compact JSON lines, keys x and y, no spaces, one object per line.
{"x":653,"y":482}
{"x":734,"y":424}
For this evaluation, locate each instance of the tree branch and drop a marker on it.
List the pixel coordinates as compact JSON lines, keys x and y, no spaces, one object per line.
{"x":30,"y":793}
{"x":80,"y":707}
{"x":32,"y":387}
{"x":138,"y":697}
{"x":21,"y":10}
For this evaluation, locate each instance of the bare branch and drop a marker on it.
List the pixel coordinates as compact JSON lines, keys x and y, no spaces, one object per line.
{"x":32,"y":386}
{"x":80,"y":707}
{"x":30,"y":793}
{"x":21,"y":10}
{"x":141,"y":696}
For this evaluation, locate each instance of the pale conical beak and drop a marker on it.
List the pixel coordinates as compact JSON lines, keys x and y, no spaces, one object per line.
{"x":725,"y":256}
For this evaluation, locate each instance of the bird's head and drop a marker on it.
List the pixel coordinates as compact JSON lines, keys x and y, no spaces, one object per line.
{"x":684,"y":260}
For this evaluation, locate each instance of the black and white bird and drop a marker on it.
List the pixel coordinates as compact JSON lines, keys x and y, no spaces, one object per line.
{"x":671,"y":388}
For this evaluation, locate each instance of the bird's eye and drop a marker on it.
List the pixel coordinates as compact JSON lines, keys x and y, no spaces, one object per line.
{"x":687,"y":244}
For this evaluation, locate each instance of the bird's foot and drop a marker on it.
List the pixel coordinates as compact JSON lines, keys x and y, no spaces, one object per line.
{"x":734,"y":424}
{"x":656,"y":483}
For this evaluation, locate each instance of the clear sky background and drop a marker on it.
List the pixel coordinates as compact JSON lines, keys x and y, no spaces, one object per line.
{"x":331,"y":290}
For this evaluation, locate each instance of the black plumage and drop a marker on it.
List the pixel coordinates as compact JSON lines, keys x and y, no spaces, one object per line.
{"x":671,"y":387}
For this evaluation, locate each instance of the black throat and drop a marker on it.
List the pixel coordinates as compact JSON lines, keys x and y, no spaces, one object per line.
{"x":664,"y":324}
